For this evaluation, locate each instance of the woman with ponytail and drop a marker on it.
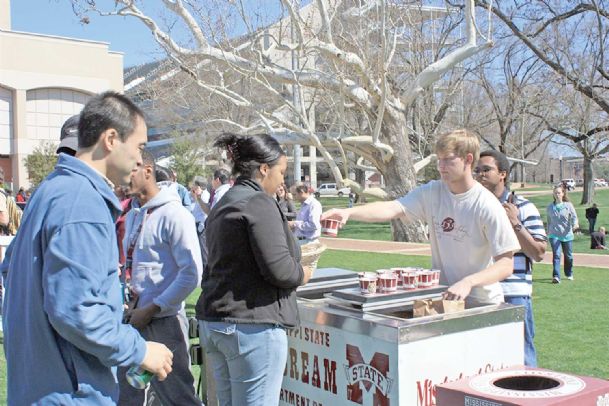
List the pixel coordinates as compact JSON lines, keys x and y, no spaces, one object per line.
{"x":248,"y":289}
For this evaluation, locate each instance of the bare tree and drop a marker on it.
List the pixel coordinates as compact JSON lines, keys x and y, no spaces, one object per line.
{"x":329,"y":57}
{"x":569,"y":38}
{"x":516,"y":93}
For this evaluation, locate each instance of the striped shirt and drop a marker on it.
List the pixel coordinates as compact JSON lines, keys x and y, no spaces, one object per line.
{"x":520,"y":283}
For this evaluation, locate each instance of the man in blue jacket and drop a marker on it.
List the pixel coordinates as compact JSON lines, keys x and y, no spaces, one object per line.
{"x":63,"y":336}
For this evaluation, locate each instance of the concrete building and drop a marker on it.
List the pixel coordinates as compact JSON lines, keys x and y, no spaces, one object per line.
{"x":44,"y":80}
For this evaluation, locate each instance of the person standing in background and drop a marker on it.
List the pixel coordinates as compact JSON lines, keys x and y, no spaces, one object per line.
{"x":562,"y":223}
{"x":493,"y":172}
{"x":201,"y":197}
{"x":591,"y":214}
{"x":307,"y":226}
{"x":597,"y":239}
{"x":286,"y":203}
{"x":68,"y":137}
{"x":220,"y":184}
{"x":165,"y":178}
{"x":4,"y":215}
{"x":20,"y":198}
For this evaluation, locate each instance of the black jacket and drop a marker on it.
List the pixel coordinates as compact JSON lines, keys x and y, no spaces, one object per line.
{"x":253,"y":261}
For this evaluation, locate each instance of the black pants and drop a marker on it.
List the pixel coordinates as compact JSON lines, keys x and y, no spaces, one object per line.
{"x":178,"y":389}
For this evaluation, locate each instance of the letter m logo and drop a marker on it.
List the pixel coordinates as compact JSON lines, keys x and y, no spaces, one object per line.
{"x":373,"y":373}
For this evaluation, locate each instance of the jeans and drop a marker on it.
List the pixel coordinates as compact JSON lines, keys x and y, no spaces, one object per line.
{"x":530,"y":355}
{"x":557,"y":247}
{"x":591,"y":224}
{"x":247,"y":361}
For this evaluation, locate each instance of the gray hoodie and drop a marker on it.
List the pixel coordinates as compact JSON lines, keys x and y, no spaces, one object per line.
{"x":562,"y":218}
{"x":167,"y":257}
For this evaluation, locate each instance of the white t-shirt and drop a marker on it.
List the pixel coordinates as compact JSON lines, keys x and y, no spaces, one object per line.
{"x":466,"y":231}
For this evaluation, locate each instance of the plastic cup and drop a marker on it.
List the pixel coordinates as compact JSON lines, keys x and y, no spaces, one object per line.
{"x":426,"y":278}
{"x":436,"y":277}
{"x":410,"y":279}
{"x":388,"y":283}
{"x":398,"y":274}
{"x":368,"y":284}
{"x":330,"y":227}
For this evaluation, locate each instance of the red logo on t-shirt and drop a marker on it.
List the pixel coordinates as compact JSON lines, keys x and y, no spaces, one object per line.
{"x":448,"y":224}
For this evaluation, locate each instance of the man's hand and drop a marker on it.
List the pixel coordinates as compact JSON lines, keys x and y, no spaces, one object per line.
{"x":158,"y":360}
{"x":292,"y":225}
{"x":458,"y":291}
{"x":140,"y":318}
{"x":342,"y":215}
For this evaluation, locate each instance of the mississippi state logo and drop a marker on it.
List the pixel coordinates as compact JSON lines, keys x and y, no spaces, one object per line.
{"x":448,"y":225}
{"x":373,"y":374}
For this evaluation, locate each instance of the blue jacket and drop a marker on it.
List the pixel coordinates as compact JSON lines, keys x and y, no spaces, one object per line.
{"x":63,"y":308}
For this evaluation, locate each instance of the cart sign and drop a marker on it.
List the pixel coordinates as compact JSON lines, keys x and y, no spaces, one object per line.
{"x":334,"y":366}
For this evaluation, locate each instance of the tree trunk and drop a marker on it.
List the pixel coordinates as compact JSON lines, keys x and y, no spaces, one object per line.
{"x":360,"y":177}
{"x":399,"y":174}
{"x":588,"y":194}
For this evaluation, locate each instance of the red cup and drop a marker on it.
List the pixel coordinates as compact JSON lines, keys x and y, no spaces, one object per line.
{"x":426,"y":278}
{"x":436,"y":277}
{"x":410,"y":279}
{"x":368,"y":284}
{"x":388,"y":283}
{"x":329,"y":227}
{"x":398,"y":274}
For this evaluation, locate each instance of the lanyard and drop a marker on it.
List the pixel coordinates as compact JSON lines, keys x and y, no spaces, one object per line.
{"x":132,"y":242}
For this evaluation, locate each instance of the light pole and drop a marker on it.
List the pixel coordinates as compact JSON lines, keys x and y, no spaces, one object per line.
{"x":296,"y":103}
{"x":522,"y":167}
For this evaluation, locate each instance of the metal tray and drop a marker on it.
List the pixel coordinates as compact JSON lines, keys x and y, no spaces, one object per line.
{"x":332,"y":274}
{"x":354,"y":294}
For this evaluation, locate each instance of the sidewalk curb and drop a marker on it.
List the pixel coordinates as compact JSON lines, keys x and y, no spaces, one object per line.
{"x":410,"y":248}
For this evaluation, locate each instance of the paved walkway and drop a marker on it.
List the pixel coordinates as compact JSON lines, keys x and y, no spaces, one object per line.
{"x":409,"y":248}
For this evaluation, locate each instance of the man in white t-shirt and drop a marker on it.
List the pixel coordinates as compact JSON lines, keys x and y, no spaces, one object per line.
{"x":472,"y":240}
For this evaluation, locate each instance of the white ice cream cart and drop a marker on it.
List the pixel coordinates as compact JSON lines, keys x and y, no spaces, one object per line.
{"x":374,"y":353}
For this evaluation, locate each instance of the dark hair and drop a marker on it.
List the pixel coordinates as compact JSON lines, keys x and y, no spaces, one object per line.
{"x":162,"y":174}
{"x":222,"y":175}
{"x":503,"y":165}
{"x":199,"y":181}
{"x":249,"y":152}
{"x":302,"y":189}
{"x":104,"y":111}
{"x":148,"y":159}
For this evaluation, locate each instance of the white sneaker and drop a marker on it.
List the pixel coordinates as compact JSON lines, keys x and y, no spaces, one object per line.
{"x":570,"y":277}
{"x":555,"y":280}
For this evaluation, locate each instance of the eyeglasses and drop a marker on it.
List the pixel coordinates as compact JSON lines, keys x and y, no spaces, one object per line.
{"x":483,"y":169}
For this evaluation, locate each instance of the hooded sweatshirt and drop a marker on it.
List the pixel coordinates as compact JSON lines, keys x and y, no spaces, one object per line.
{"x":166,"y":257}
{"x":63,"y":306}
